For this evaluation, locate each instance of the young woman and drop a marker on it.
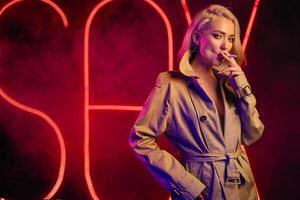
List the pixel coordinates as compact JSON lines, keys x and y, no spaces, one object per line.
{"x":207,"y":110}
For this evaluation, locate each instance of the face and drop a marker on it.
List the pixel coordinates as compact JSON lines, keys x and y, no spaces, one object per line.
{"x":219,"y":36}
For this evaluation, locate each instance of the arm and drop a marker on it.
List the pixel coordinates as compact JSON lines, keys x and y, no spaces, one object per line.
{"x":252,"y":127}
{"x":152,"y":122}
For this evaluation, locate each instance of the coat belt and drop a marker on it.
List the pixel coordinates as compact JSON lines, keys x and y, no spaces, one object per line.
{"x":233,"y":168}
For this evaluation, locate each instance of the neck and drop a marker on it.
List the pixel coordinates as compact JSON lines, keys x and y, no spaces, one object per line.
{"x":202,"y":70}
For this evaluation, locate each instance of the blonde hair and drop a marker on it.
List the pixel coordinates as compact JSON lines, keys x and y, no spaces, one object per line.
{"x":202,"y":20}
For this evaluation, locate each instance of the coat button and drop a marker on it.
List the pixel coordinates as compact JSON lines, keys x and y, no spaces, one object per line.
{"x":203,"y":118}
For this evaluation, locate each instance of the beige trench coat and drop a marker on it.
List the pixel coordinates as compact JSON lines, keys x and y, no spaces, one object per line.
{"x":214,"y":162}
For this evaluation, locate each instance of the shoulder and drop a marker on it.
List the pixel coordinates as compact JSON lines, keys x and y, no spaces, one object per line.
{"x":169,"y":78}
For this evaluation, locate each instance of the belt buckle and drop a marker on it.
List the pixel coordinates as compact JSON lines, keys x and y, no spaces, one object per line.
{"x":232,"y":181}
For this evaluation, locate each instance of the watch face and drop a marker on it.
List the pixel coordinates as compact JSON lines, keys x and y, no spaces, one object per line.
{"x":247,"y":90}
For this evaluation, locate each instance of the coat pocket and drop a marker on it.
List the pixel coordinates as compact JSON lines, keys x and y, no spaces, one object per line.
{"x":195,"y":168}
{"x":203,"y":171}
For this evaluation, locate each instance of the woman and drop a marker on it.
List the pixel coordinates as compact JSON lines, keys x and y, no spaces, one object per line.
{"x":207,"y":111}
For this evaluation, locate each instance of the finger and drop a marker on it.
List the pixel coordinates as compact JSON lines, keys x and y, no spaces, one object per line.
{"x":227,"y":56}
{"x":229,"y":73}
{"x":224,"y":55}
{"x":235,"y":74}
{"x":231,"y":69}
{"x":233,"y":66}
{"x":224,"y":73}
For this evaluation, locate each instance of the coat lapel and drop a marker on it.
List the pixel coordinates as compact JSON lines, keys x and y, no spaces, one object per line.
{"x":232,"y":125}
{"x":207,"y":116}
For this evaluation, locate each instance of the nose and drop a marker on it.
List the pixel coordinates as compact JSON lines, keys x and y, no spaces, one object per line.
{"x":224,"y":45}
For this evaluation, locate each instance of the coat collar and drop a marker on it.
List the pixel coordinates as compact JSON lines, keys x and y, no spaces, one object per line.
{"x":186,"y":69}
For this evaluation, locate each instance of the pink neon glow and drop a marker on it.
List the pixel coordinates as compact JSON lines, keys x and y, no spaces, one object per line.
{"x":169,"y":31}
{"x":88,"y":107}
{"x":250,"y":23}
{"x":8,"y":5}
{"x":244,"y":46}
{"x":87,"y":172}
{"x":58,"y":10}
{"x":115,"y":107}
{"x":58,"y":135}
{"x":48,"y":2}
{"x":186,"y":11}
{"x":41,"y":114}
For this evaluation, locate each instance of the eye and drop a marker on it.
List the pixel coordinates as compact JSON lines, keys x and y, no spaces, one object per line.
{"x":231,"y":40}
{"x":217,"y":36}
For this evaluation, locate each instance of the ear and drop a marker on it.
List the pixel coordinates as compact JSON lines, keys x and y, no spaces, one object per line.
{"x":196,"y":37}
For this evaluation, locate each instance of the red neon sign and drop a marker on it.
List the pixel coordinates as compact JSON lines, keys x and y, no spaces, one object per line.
{"x":88,"y":107}
{"x":186,"y":11}
{"x":250,"y":23}
{"x":41,"y":114}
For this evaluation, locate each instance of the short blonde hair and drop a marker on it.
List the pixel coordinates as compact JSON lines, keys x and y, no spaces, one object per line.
{"x":202,"y":20}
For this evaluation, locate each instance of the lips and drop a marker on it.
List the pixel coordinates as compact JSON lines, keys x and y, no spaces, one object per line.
{"x":220,"y":57}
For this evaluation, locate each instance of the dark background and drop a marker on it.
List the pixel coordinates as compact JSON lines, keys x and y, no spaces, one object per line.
{"x":41,"y":65}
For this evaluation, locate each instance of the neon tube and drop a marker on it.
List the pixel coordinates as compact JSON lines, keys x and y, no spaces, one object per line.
{"x":41,"y":114}
{"x":186,"y":11}
{"x":249,"y":27}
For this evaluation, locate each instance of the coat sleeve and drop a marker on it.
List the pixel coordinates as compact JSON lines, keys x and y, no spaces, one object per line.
{"x":252,"y":127}
{"x":152,"y":122}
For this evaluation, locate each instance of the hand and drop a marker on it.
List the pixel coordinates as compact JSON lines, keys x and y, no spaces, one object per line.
{"x":233,"y":68}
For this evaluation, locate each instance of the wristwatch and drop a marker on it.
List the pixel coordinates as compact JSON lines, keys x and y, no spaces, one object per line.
{"x":242,"y":92}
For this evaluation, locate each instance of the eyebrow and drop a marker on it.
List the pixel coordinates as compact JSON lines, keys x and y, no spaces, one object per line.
{"x":223,"y":33}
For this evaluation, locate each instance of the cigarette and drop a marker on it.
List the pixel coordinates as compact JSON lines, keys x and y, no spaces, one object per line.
{"x":233,"y":56}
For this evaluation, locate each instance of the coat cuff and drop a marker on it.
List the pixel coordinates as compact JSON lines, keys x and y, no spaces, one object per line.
{"x":240,"y":85}
{"x":191,"y":185}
